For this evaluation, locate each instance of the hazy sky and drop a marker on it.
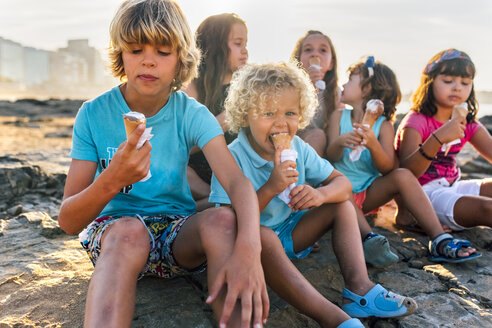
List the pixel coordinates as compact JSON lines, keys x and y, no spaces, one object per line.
{"x":403,"y":34}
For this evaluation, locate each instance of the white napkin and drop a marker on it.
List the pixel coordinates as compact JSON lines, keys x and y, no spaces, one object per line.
{"x":287,"y":155}
{"x":144,"y":137}
{"x":355,"y":153}
{"x":320,"y":84}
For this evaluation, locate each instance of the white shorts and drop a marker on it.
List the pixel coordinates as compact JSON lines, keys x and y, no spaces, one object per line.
{"x":443,"y":197}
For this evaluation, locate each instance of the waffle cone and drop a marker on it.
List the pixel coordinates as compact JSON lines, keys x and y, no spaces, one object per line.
{"x":282,"y":139}
{"x":315,"y":61}
{"x":132,"y":121}
{"x":374,"y":109}
{"x":460,"y":110}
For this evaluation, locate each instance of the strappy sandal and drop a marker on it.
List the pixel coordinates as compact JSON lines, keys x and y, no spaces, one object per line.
{"x":449,"y":252}
{"x":378,"y":302}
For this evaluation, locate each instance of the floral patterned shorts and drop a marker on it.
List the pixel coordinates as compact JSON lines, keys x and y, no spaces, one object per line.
{"x":162,"y":230}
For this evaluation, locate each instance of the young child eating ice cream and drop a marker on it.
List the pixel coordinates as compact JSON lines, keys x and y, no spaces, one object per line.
{"x":267,"y":104}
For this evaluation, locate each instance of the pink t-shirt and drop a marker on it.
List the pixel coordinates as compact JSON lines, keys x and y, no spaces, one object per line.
{"x":442,"y":166}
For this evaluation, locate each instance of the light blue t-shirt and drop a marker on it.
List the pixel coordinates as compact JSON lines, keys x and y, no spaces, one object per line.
{"x":312,"y":170}
{"x":181,"y":124}
{"x":361,"y":173}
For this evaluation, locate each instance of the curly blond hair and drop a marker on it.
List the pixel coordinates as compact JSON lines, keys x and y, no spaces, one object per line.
{"x":253,"y":85}
{"x":155,"y":22}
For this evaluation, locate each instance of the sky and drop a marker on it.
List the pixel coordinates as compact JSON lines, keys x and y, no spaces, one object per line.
{"x":402,"y":34}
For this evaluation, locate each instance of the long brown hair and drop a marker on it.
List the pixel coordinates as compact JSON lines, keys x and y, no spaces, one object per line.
{"x":384,"y":86}
{"x":212,"y":38}
{"x":423,"y":99}
{"x":330,"y":94}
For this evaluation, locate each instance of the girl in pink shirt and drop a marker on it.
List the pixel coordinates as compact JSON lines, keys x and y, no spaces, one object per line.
{"x":430,"y":136}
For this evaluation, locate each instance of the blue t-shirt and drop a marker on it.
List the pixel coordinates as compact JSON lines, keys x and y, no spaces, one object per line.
{"x":361,"y":173}
{"x":180,"y":125}
{"x":312,"y":170}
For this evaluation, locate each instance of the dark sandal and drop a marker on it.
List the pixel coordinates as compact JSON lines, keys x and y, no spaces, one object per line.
{"x":450,"y":250}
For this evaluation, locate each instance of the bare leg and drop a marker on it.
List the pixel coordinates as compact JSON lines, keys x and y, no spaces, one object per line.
{"x":347,"y":242}
{"x":403,"y":216}
{"x":208,"y":236}
{"x":364,"y":226}
{"x":402,"y":182}
{"x":472,"y":211}
{"x":125,"y":248}
{"x":481,"y":205}
{"x":316,"y":138}
{"x":284,"y":278}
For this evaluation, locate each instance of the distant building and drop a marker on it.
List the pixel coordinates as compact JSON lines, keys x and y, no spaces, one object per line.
{"x":95,"y":66}
{"x":11,"y":61}
{"x":77,"y":71}
{"x":37,"y":66}
{"x":67,"y":70}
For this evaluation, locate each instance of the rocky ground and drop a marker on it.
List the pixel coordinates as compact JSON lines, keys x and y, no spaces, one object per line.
{"x":44,"y":273}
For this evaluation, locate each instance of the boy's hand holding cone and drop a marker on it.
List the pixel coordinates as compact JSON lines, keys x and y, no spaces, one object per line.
{"x":132,"y":120}
{"x":288,"y":154}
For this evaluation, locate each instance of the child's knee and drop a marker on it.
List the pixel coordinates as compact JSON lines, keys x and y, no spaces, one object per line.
{"x":268,"y":237}
{"x":220,"y":219}
{"x":128,"y":235}
{"x":403,"y":175}
{"x":347,"y":209}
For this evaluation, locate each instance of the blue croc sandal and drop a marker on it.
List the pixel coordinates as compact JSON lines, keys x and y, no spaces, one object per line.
{"x":378,"y":302}
{"x":351,"y":323}
{"x":377,"y":251}
{"x":450,"y":250}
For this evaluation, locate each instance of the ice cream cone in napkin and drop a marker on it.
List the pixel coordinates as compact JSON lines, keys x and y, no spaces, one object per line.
{"x":132,"y":120}
{"x":374,"y":109}
{"x":282,"y":139}
{"x":316,"y":63}
{"x":460,"y":110}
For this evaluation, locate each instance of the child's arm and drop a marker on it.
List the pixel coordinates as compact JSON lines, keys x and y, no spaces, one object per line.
{"x":411,"y":157}
{"x":337,"y":142}
{"x":84,"y":198}
{"x":382,"y":151}
{"x":335,"y":189}
{"x":242,"y":273}
{"x":282,"y":176}
{"x":482,"y":142}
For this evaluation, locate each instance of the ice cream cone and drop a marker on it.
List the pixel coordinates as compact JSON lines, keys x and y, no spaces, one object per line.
{"x":460,"y":110}
{"x":132,"y":120}
{"x":374,"y":109}
{"x":315,"y":61}
{"x":281,"y":139}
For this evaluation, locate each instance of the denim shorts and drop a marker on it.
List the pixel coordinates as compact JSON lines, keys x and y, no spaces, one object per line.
{"x":284,"y":233}
{"x":162,"y":230}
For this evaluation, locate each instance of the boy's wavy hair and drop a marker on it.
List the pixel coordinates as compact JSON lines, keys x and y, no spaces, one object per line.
{"x":254,"y":85}
{"x":330,"y":93}
{"x":155,"y":22}
{"x":212,"y":37}
{"x":383,"y":86}
{"x":423,"y":100}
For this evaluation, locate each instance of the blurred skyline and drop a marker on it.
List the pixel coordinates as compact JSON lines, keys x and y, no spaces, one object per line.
{"x":402,"y":34}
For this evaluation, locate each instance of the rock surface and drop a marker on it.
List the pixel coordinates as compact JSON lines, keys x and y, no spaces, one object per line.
{"x":44,"y":274}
